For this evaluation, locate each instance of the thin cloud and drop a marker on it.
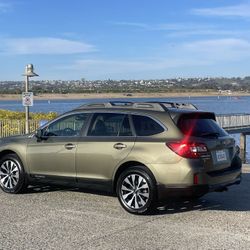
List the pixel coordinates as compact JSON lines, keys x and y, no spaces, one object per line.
{"x":163,"y":26}
{"x":207,"y":32}
{"x":219,"y":43}
{"x":114,"y":66}
{"x":103,"y":67}
{"x":182,"y":26}
{"x":218,"y":50}
{"x":191,"y":55}
{"x":240,"y":10}
{"x":43,"y":45}
{"x":185,"y":29}
{"x":132,"y":24}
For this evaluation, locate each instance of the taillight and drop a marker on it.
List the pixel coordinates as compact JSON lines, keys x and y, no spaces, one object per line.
{"x":188,"y":149}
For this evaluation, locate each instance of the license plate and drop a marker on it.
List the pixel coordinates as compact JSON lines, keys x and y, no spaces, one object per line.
{"x":221,"y":155}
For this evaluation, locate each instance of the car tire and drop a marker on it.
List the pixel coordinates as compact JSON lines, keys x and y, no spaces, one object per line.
{"x":136,"y":190}
{"x":12,"y":174}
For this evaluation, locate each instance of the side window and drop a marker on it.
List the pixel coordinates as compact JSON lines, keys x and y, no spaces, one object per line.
{"x":145,"y":126}
{"x":125,"y":129}
{"x":106,"y":124}
{"x":67,"y":126}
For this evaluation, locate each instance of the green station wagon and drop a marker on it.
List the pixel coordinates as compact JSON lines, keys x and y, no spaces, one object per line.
{"x":143,"y":152}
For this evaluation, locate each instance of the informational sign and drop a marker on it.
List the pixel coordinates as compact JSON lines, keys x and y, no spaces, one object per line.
{"x":27,"y":99}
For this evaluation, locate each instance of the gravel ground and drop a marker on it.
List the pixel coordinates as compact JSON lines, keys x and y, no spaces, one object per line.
{"x":58,"y":218}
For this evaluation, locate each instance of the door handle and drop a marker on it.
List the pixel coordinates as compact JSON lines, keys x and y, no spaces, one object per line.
{"x":120,"y":146}
{"x":70,"y":146}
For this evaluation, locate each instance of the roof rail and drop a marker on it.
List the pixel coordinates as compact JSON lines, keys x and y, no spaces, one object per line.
{"x":154,"y":105}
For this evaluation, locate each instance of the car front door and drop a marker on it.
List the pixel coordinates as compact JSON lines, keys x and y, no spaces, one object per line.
{"x":54,"y":154}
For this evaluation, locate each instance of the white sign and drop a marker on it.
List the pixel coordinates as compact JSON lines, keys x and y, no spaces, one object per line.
{"x":27,"y":99}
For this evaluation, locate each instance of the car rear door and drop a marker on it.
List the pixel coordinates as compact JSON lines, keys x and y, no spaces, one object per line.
{"x":107,"y":142}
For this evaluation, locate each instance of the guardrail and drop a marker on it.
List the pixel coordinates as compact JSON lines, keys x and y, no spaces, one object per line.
{"x":232,"y":121}
{"x":16,"y":127}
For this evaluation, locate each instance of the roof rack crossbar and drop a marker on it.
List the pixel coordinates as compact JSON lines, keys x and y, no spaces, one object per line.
{"x":121,"y":103}
{"x":148,"y":105}
{"x":177,"y":105}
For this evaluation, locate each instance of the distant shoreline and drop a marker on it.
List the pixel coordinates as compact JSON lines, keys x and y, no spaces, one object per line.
{"x":120,"y":95}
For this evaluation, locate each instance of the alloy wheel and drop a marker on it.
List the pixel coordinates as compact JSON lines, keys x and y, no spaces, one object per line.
{"x":9,"y":174}
{"x":135,"y":191}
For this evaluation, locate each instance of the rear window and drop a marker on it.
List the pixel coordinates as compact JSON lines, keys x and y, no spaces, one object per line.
{"x":200,"y":125}
{"x":145,"y":126}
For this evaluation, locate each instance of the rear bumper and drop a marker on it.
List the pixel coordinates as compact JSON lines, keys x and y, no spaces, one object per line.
{"x":180,"y":191}
{"x":208,"y":181}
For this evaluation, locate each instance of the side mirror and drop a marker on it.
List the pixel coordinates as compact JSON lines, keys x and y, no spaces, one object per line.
{"x":39,"y":134}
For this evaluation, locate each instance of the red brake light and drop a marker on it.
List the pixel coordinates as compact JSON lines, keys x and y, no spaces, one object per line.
{"x":188,"y":149}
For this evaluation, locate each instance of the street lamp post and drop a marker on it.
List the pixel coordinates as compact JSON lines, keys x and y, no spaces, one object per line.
{"x":28,"y":96}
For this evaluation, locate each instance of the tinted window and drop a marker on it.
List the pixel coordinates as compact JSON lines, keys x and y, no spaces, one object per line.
{"x":67,"y":126}
{"x":145,"y":126}
{"x":200,"y":126}
{"x":110,"y":125}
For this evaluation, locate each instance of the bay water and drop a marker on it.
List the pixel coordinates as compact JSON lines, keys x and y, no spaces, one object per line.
{"x":217,"y":104}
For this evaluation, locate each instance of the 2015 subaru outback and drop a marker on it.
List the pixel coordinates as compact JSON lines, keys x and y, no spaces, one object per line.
{"x":145,"y":152}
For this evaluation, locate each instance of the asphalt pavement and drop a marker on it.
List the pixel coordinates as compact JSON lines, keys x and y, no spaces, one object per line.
{"x":63,"y":218}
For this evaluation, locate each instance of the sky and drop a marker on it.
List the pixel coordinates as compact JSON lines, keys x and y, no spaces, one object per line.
{"x":130,"y":39}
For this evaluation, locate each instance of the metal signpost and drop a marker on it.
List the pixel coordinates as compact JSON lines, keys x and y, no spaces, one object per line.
{"x":28,"y":96}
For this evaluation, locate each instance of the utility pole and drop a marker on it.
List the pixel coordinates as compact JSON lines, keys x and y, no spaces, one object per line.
{"x":28,"y":96}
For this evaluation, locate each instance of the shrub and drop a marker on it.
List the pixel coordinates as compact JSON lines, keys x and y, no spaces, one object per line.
{"x":15,"y":115}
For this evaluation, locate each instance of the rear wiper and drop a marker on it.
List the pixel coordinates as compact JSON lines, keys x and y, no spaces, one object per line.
{"x":213,"y":134}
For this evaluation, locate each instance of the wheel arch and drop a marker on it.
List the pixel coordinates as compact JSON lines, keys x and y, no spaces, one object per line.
{"x":6,"y":152}
{"x":127,"y":165}
{"x":9,"y":151}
